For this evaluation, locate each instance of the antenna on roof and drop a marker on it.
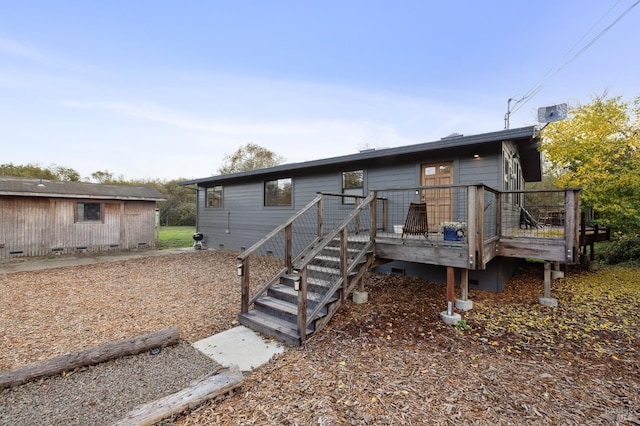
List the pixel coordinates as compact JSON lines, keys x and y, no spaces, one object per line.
{"x":507,"y":115}
{"x":552,"y":113}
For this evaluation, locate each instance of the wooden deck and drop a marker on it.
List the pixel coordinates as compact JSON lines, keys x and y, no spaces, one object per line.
{"x":321,"y":253}
{"x":493,"y":227}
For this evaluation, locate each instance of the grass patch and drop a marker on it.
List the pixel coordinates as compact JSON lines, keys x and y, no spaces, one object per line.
{"x":175,"y":236}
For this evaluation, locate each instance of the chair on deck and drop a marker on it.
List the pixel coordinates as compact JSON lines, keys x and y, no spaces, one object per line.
{"x":527,"y":221}
{"x":416,"y":222}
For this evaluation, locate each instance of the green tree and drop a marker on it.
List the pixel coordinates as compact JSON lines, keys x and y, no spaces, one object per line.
{"x":249,"y":157}
{"x":598,"y":148}
{"x":180,"y":207}
{"x":35,"y":171}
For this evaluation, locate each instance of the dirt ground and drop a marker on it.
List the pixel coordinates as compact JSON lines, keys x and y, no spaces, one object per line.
{"x":390,"y":361}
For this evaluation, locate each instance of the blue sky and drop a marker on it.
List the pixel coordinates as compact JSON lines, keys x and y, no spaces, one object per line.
{"x":164,"y":89}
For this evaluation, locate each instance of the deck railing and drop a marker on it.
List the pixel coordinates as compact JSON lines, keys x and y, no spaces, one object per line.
{"x":481,"y":216}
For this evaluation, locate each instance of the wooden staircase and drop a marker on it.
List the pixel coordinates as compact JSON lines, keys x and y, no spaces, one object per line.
{"x":276,"y":313}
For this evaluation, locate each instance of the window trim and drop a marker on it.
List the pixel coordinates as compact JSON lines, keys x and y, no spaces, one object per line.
{"x":266,"y":198}
{"x":356,"y":191}
{"x":213,"y":190}
{"x":77,"y":217}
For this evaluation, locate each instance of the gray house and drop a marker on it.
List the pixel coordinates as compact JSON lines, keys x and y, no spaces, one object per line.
{"x":451,"y":209}
{"x":41,"y":217}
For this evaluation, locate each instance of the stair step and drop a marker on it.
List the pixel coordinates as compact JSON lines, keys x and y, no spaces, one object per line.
{"x":279,"y":329}
{"x":315,"y":284}
{"x":282,"y":309}
{"x":323,"y":270}
{"x":351,"y":243}
{"x":335,"y":251}
{"x":288,"y":294}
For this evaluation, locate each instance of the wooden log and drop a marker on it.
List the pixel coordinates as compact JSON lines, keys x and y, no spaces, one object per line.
{"x":95,"y":355}
{"x":190,"y":397}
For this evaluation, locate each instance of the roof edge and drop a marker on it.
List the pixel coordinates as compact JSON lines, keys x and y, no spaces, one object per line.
{"x":447,"y":142}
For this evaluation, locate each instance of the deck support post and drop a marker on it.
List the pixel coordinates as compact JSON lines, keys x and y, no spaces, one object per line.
{"x":556,"y":272}
{"x":464,"y":304}
{"x":546,"y":299}
{"x":449,"y":316}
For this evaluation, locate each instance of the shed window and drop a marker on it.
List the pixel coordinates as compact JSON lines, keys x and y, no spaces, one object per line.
{"x":352,"y":184}
{"x":213,"y":197}
{"x":89,"y":212}
{"x":277,"y":192}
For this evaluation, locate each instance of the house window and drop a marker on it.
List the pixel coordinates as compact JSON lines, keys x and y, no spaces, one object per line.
{"x":213,"y":197}
{"x":277,"y":192}
{"x":352,"y":184}
{"x":89,"y":212}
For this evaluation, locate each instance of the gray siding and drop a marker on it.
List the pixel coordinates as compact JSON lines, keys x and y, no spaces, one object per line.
{"x":243,"y":219}
{"x":393,"y":176}
{"x":486,"y":169}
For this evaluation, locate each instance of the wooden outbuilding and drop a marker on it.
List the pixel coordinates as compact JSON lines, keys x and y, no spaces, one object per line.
{"x":41,"y":217}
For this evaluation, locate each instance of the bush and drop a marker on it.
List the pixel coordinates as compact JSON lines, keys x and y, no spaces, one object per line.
{"x":621,"y":250}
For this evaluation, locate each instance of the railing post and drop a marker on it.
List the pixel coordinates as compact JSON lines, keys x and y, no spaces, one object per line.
{"x":302,"y":306}
{"x":373,"y":208}
{"x":571,"y":219}
{"x":358,"y":201}
{"x":480,"y":226}
{"x":288,"y":239}
{"x":343,"y":262}
{"x":499,"y":214}
{"x":472,"y":225}
{"x":385,"y":215}
{"x":320,"y":216}
{"x":243,"y":271}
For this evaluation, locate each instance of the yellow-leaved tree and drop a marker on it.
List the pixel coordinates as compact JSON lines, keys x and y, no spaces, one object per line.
{"x":598,"y":148}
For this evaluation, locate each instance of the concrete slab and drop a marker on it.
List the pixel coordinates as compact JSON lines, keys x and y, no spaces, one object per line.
{"x":464,"y":305}
{"x":450,"y":319}
{"x":548,"y":301}
{"x":240,"y":346}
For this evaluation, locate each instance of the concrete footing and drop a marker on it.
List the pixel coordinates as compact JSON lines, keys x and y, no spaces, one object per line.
{"x":464,"y":305}
{"x":594,"y":265}
{"x":360,"y":297}
{"x":557,"y":274}
{"x":450,"y":319}
{"x":548,"y":301}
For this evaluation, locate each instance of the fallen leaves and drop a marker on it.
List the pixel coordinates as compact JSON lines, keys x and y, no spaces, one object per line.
{"x":517,"y":363}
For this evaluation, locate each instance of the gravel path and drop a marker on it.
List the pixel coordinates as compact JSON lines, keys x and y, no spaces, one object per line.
{"x":104,"y":393}
{"x":49,"y":312}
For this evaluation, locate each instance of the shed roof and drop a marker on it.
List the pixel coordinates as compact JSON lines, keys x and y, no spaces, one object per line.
{"x":526,"y":138}
{"x":56,"y":189}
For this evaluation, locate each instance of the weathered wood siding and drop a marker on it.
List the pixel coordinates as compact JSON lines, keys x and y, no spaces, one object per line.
{"x":20,"y":232}
{"x":32,"y":226}
{"x":138,"y":224}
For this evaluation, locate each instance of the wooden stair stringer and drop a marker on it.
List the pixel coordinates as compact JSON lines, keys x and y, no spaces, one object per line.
{"x":275,"y":314}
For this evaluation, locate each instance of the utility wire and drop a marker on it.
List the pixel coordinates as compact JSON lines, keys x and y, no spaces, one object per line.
{"x":519,"y":103}
{"x":538,"y":87}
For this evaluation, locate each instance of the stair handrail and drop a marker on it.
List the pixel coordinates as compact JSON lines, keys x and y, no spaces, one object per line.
{"x":301,"y":268}
{"x":331,"y":235}
{"x":246,"y":253}
{"x":243,"y":266}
